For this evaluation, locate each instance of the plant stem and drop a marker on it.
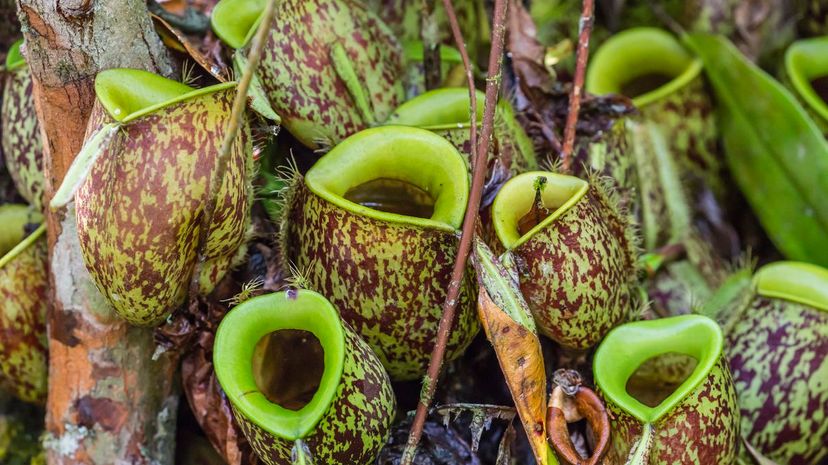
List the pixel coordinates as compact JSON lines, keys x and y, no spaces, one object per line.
{"x":467,"y":65}
{"x":585,"y":29}
{"x":430,"y":35}
{"x":233,"y":125}
{"x":478,"y":176}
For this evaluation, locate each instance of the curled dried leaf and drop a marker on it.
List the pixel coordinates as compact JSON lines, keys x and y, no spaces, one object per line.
{"x":564,"y":409}
{"x":176,"y":40}
{"x":514,"y":337}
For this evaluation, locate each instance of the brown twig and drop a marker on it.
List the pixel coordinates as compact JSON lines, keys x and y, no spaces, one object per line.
{"x":585,"y":28}
{"x":239,"y":107}
{"x":467,"y":65}
{"x":478,"y":176}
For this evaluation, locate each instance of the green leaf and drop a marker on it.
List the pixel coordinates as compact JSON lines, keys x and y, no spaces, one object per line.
{"x":640,"y":452}
{"x":82,"y":165}
{"x":500,"y":281}
{"x":345,"y":70}
{"x":256,"y":94}
{"x":776,"y":153}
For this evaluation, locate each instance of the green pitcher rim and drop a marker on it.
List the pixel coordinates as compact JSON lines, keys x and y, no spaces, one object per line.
{"x":799,"y":282}
{"x":637,"y":52}
{"x":128,"y":94}
{"x":235,"y":21}
{"x":242,"y":329}
{"x":403,"y":153}
{"x":15,"y":59}
{"x":804,"y":60}
{"x":628,"y":346}
{"x":517,"y":195}
{"x":438,"y":110}
{"x":413,"y":51}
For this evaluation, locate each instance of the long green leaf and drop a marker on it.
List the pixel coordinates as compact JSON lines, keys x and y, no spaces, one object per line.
{"x":501,"y":285}
{"x":82,"y":164}
{"x":775,"y":151}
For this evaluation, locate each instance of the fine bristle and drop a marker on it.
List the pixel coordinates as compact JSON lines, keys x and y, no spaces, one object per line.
{"x":292,"y":178}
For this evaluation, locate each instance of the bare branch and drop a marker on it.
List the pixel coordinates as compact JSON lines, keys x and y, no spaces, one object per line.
{"x":478,"y":177}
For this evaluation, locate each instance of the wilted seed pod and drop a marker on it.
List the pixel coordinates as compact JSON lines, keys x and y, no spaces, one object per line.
{"x":690,"y":419}
{"x":374,"y":227}
{"x":777,"y":339}
{"x":446,"y":113}
{"x":293,"y":371}
{"x":23,"y":302}
{"x":676,"y":129}
{"x":140,"y":209}
{"x":574,"y":250}
{"x":330,"y":67}
{"x":22,"y":146}
{"x":806,"y":70}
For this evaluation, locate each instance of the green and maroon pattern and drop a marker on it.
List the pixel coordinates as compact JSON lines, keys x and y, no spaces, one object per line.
{"x":388,"y":280}
{"x":608,"y":153}
{"x":680,"y":286}
{"x":778,"y":352}
{"x":140,"y":209}
{"x":687,"y":120}
{"x":702,"y":429}
{"x":22,"y":146}
{"x":316,"y":106}
{"x":24,"y":299}
{"x":357,"y":423}
{"x":578,"y":273}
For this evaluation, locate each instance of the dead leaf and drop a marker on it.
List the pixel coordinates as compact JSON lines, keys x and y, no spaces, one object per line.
{"x":526,"y":52}
{"x":564,"y":409}
{"x":180,"y":42}
{"x":510,"y":329}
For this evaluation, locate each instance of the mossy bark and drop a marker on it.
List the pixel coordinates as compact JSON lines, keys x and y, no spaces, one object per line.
{"x":109,"y":401}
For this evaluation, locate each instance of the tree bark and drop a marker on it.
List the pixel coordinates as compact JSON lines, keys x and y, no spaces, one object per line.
{"x":109,"y":401}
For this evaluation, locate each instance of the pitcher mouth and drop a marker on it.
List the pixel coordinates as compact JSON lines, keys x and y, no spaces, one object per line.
{"x":627,"y":347}
{"x":638,"y":54}
{"x":798,"y":282}
{"x":806,"y":61}
{"x":407,"y":155}
{"x":516,"y":198}
{"x":129,"y":94}
{"x":239,"y":358}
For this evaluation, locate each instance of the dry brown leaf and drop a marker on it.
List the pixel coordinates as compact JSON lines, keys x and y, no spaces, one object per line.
{"x":180,"y":42}
{"x":514,"y":337}
{"x":564,"y":409}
